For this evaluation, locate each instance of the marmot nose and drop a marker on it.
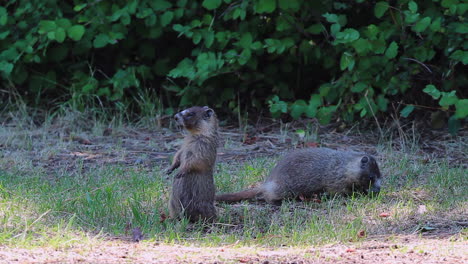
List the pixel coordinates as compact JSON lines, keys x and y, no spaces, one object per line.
{"x":375,"y":189}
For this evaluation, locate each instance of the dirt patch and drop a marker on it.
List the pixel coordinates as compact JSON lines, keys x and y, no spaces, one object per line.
{"x":410,"y":249}
{"x":56,"y":149}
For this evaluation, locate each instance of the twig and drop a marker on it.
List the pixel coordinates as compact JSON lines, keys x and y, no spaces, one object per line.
{"x":429,"y":107}
{"x":415,"y":60}
{"x":373,"y":114}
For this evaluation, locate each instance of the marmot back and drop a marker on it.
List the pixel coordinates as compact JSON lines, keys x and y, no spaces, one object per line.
{"x":193,"y":188}
{"x":312,"y":171}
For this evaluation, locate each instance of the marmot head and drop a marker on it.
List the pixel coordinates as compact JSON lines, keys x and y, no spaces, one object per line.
{"x":198,"y":120}
{"x":370,"y":178}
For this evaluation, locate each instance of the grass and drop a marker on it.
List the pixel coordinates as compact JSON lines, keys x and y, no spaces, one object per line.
{"x":80,"y":203}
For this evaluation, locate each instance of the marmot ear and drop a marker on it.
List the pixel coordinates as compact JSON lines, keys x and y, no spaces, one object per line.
{"x":208,"y":111}
{"x":364,"y":159}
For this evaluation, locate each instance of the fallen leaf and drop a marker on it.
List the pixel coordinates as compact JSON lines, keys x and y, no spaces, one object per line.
{"x":384,"y":214}
{"x":162,"y":217}
{"x":249,"y":140}
{"x":302,"y":198}
{"x":311,"y":144}
{"x":349,"y":250}
{"x":422,"y":209}
{"x":361,"y":233}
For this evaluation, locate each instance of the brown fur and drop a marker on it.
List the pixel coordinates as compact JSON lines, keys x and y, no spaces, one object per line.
{"x":193,"y":188}
{"x":312,"y":171}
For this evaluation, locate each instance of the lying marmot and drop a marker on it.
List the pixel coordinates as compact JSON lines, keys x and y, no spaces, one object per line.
{"x":307,"y":172}
{"x":193,"y":188}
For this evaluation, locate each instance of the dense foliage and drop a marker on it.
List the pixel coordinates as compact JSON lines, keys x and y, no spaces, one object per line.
{"x":299,"y":57}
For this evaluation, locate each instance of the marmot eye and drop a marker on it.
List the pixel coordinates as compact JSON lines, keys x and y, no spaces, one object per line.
{"x":208,"y":113}
{"x":364,"y":160}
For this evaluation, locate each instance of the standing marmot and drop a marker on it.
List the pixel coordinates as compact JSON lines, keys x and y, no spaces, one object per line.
{"x":312,"y":171}
{"x":193,"y":188}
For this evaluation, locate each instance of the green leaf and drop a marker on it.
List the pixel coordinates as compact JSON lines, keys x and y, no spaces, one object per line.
{"x":265,"y":6}
{"x":5,"y":34}
{"x":422,"y":24}
{"x":380,"y":9}
{"x":211,"y":4}
{"x":332,"y":18}
{"x":160,"y":5}
{"x":314,"y":102}
{"x":298,"y":108}
{"x":46,"y":26}
{"x":315,"y":29}
{"x":100,"y":41}
{"x":6,"y":67}
{"x":413,"y":7}
{"x":79,"y":7}
{"x":372,"y":32}
{"x":460,"y":55}
{"x":209,"y":38}
{"x":144,"y":12}
{"x":185,"y":68}
{"x":244,"y":56}
{"x":461,"y":28}
{"x":51,"y":35}
{"x":293,"y":5}
{"x":9,"y":54}
{"x":166,"y":18}
{"x":76,"y":32}
{"x":363,"y":112}
{"x":448,"y":99}
{"x":246,"y":40}
{"x":405,"y":112}
{"x":63,"y":23}
{"x":392,"y":50}
{"x":89,"y":87}
{"x":448,"y":3}
{"x":3,"y":16}
{"x":347,"y":35}
{"x":277,"y":107}
{"x":282,"y":23}
{"x":362,"y":46}
{"x":325,"y":114}
{"x":461,"y":109}
{"x":382,"y":103}
{"x":432,"y":91}
{"x":359,"y":87}
{"x":436,"y":24}
{"x":60,"y":35}
{"x":197,"y":36}
{"x":335,"y":29}
{"x":411,"y":18}
{"x":347,"y":61}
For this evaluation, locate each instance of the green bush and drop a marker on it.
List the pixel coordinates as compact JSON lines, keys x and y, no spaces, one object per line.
{"x":312,"y":58}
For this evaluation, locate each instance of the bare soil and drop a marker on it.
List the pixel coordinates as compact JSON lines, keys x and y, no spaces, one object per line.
{"x":408,"y":249}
